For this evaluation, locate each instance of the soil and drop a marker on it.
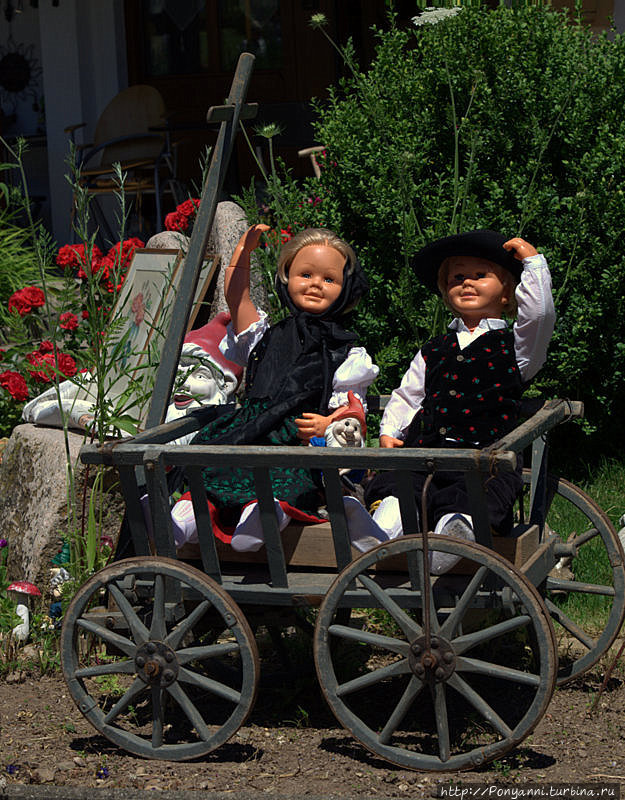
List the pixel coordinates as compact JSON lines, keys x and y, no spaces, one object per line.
{"x":293,"y":745}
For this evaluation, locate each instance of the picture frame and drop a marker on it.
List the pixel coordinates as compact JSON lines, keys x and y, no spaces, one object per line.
{"x":141,"y":309}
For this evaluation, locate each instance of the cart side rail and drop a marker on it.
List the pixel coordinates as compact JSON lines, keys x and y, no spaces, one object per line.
{"x":145,"y":462}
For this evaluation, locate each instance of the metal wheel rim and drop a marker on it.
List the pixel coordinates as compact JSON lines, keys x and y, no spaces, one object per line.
{"x":609,"y":537}
{"x":215,"y":598}
{"x":535,"y":610}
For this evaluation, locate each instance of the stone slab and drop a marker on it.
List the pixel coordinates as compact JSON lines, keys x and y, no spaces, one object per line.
{"x":33,"y":499}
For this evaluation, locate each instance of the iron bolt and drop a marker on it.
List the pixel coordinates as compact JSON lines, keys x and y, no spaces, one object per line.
{"x":440,"y":673}
{"x":168,"y":675}
{"x":140,"y":661}
{"x":110,"y":623}
{"x":169,"y":656}
{"x":151,"y":648}
{"x":428,"y":661}
{"x":448,"y":657}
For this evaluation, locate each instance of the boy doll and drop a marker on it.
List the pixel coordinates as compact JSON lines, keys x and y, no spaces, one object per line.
{"x":463,"y":389}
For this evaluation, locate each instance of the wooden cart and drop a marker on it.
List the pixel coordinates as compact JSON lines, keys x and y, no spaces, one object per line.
{"x":429,"y":673}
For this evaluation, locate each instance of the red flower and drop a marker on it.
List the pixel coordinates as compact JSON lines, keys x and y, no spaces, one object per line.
{"x":182,"y":218}
{"x":24,"y":300}
{"x":84,"y":314}
{"x":46,"y":346}
{"x":15,"y":385}
{"x":69,"y":321}
{"x":127,"y":247}
{"x":66,"y":366}
{"x":73,"y":256}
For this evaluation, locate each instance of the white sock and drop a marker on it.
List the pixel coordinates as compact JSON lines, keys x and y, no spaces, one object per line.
{"x":183,"y":522}
{"x":248,"y":535}
{"x":364,"y":532}
{"x":388,"y":517}
{"x":460,"y":526}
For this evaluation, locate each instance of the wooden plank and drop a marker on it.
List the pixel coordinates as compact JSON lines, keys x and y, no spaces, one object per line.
{"x":313,"y":546}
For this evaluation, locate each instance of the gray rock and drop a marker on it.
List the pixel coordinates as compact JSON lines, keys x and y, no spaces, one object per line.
{"x":228,"y":227}
{"x":33,"y":500}
{"x":169,"y":240}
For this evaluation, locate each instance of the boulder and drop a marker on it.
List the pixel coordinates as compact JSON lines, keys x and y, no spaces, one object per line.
{"x":228,"y":227}
{"x":33,"y":499}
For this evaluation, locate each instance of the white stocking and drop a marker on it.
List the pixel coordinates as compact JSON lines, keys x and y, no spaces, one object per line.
{"x":248,"y":535}
{"x":460,"y":526}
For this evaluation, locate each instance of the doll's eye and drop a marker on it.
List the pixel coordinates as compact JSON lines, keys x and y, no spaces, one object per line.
{"x":305,"y":274}
{"x":480,"y":275}
{"x":329,"y":280}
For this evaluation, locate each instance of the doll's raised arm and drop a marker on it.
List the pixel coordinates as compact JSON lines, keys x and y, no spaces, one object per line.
{"x":237,"y":280}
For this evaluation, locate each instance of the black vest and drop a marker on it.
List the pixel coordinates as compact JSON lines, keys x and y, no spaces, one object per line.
{"x":472,"y":396}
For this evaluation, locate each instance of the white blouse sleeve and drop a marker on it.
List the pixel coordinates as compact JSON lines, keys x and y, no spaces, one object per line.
{"x":237,"y":347}
{"x":536,"y":316}
{"x":405,"y":401}
{"x":355,"y":374}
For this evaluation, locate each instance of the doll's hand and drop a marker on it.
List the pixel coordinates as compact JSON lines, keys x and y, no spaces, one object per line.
{"x":309,"y":425}
{"x":390,"y":441}
{"x":248,"y":242}
{"x":520,"y":248}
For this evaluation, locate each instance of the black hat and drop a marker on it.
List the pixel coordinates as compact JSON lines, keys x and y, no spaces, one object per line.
{"x":481,"y":243}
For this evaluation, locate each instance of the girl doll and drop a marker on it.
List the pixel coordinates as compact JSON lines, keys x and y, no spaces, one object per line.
{"x":463,"y":389}
{"x":299,"y":372}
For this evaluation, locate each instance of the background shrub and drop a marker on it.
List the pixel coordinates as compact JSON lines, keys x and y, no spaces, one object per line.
{"x":511,"y":119}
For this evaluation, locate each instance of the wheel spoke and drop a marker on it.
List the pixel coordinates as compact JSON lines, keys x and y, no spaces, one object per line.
{"x":209,"y":651}
{"x":367,"y":637}
{"x":442,"y":723}
{"x":582,"y":538}
{"x":137,"y":628}
{"x":135,"y":689}
{"x":450,"y":625}
{"x":373,"y":677}
{"x":109,"y":668}
{"x":157,"y":717}
{"x":464,"y":643}
{"x":479,"y":704}
{"x":176,"y":635}
{"x":110,"y":637}
{"x":408,"y":625}
{"x":496,"y":671}
{"x":568,"y":624}
{"x":209,"y":685}
{"x":411,"y":692}
{"x":158,"y":629}
{"x":191,"y":712}
{"x":558,"y":585}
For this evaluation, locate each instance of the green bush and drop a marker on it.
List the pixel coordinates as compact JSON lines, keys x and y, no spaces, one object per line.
{"x":511,"y":119}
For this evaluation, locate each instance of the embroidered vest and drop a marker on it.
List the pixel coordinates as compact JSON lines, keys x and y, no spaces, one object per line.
{"x":472,"y":396}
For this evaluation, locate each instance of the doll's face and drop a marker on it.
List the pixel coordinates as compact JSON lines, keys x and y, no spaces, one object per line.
{"x":315,"y":278}
{"x":476,"y":288}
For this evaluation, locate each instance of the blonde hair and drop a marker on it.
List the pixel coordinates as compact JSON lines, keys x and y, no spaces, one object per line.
{"x":506,"y":277}
{"x":313,"y":236}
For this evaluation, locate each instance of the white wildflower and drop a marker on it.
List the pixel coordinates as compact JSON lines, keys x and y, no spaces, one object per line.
{"x":431,"y":15}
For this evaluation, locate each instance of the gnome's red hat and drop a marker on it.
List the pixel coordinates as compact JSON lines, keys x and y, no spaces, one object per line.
{"x":353,"y":409}
{"x":208,"y":338}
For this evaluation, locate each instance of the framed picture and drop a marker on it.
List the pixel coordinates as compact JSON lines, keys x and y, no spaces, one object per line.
{"x":139,"y":322}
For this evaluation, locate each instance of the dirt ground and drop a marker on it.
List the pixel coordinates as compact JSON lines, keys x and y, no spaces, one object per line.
{"x":297,"y":747}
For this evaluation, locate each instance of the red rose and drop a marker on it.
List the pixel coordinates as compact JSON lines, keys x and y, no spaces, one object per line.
{"x":24,"y":300}
{"x":84,"y":314}
{"x":15,"y":385}
{"x":176,"y":222}
{"x":127,"y":248}
{"x":69,"y":321}
{"x":46,"y":346}
{"x":66,"y":366}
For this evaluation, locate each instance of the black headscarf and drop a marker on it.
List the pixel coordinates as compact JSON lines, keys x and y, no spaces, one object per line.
{"x":299,"y":355}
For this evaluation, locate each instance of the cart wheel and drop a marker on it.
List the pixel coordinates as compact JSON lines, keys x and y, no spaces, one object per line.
{"x":587,"y":616}
{"x":169,"y":669}
{"x":475,"y":692}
